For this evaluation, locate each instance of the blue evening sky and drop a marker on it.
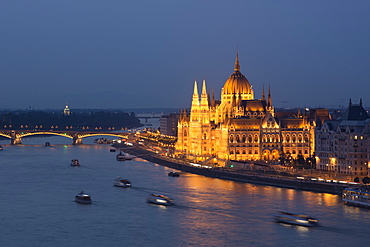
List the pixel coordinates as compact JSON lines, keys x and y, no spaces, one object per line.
{"x":147,"y":53}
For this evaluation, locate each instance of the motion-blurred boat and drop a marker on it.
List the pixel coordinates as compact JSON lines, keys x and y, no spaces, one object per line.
{"x":295,"y":219}
{"x":160,"y":200}
{"x":124,"y":183}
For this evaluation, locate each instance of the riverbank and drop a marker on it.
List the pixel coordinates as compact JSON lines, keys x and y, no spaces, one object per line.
{"x":239,"y":176}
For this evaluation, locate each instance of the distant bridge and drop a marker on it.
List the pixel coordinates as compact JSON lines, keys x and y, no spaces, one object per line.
{"x":16,"y":136}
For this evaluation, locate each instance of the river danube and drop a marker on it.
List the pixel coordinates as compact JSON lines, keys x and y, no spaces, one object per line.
{"x":37,"y":206}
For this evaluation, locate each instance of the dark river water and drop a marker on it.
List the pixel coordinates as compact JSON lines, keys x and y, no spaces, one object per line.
{"x":37,"y":205}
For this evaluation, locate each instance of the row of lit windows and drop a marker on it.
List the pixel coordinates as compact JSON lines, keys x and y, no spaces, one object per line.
{"x":267,"y":138}
{"x":243,"y":151}
{"x":295,"y":152}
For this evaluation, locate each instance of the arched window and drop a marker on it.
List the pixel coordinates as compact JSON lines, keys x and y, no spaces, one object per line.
{"x":231,"y":139}
{"x":287,"y":138}
{"x":300,"y":138}
{"x":205,"y":136}
{"x":294,"y":139}
{"x":185,"y":133}
{"x":243,"y":138}
{"x":250,"y":139}
{"x":306,"y":138}
{"x":237,"y":138}
{"x":256,"y":138}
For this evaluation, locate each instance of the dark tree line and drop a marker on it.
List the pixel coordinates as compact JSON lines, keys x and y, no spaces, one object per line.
{"x":102,"y":120}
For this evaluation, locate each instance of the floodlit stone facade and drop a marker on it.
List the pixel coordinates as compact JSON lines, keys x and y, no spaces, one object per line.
{"x":240,"y":127}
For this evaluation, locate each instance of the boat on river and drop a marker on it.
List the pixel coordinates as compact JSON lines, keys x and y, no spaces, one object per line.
{"x":357,"y":197}
{"x":124,"y":183}
{"x":174,"y":174}
{"x":123,"y":156}
{"x":160,"y":200}
{"x":83,"y":198}
{"x":295,"y":219}
{"x":1,"y":148}
{"x":75,"y":162}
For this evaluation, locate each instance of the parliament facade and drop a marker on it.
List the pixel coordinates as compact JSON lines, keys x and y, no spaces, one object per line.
{"x":239,"y":127}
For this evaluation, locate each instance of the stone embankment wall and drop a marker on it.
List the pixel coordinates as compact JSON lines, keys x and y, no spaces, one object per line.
{"x":263,"y":179}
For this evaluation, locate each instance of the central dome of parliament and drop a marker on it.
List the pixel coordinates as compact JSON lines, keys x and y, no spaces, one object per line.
{"x":237,"y":83}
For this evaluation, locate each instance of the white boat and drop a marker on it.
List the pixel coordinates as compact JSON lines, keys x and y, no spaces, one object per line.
{"x":160,"y":200}
{"x":124,"y":183}
{"x":295,"y":219}
{"x":83,"y":198}
{"x":123,"y":156}
{"x":356,"y":197}
{"x":75,"y":162}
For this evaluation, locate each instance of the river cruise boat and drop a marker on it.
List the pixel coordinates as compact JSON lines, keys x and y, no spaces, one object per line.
{"x":160,"y":200}
{"x":75,"y":162}
{"x":357,"y":197}
{"x":295,"y":219}
{"x":124,"y":183}
{"x":83,"y":198}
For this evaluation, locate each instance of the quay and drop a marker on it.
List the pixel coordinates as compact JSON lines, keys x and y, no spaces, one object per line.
{"x":238,"y":175}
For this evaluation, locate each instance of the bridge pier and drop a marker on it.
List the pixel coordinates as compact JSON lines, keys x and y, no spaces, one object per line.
{"x":76,"y":140}
{"x":15,"y":139}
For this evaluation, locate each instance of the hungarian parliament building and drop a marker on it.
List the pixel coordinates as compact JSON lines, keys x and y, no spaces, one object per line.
{"x":239,"y":127}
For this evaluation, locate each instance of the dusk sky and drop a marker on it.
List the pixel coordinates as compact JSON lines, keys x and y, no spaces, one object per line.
{"x":147,"y":53}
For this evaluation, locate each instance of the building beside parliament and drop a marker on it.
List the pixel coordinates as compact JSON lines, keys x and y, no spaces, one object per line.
{"x":239,"y":127}
{"x":342,"y":145}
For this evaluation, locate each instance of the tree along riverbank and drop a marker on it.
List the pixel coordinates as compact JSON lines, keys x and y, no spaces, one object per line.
{"x":246,"y":177}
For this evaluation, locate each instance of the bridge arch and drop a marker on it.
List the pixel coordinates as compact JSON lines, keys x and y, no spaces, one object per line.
{"x":16,"y":136}
{"x":46,"y":133}
{"x":5,"y":135}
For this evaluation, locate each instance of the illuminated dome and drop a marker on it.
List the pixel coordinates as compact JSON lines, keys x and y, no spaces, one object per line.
{"x":237,"y":83}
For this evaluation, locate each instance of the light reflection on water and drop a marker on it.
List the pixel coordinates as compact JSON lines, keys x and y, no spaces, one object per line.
{"x":37,"y":207}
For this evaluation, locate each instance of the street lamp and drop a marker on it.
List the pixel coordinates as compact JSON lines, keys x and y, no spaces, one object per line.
{"x":350,"y":173}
